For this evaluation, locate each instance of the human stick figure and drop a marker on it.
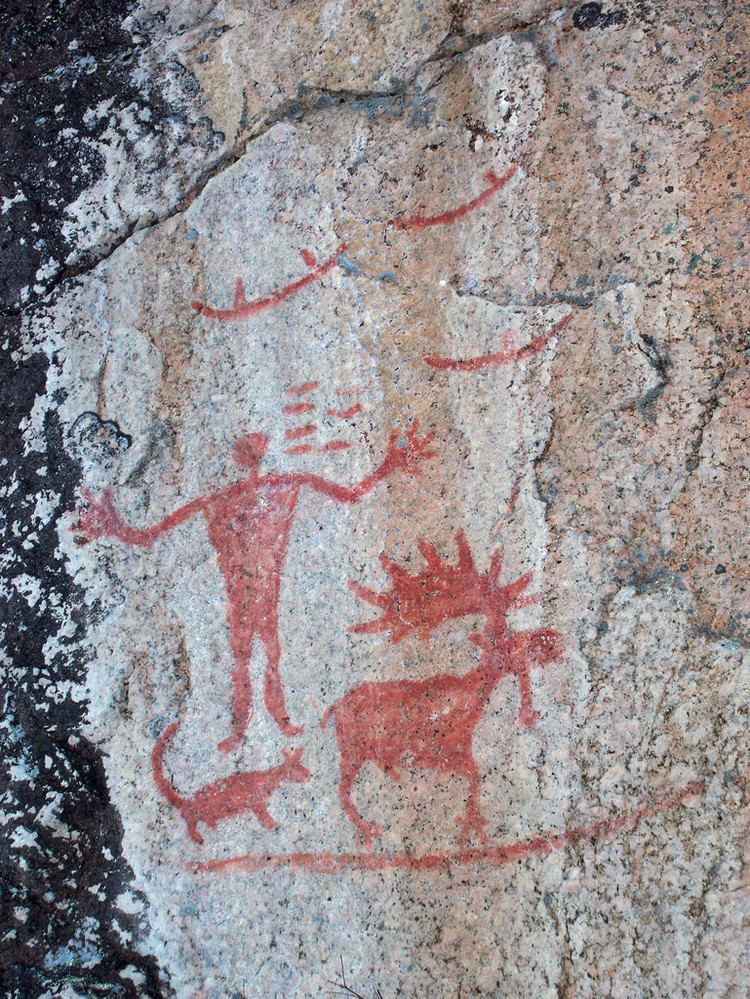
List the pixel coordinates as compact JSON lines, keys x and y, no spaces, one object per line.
{"x":249,"y":523}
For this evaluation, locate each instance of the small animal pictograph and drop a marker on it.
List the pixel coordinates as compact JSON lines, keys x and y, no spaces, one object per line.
{"x":248,"y":791}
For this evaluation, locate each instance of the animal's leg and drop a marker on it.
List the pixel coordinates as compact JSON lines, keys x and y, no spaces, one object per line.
{"x":528,"y":715}
{"x":364,"y":831}
{"x":473,"y":821}
{"x":242,"y":695}
{"x":273,"y":692}
{"x":192,"y":828}
{"x":260,"y":810}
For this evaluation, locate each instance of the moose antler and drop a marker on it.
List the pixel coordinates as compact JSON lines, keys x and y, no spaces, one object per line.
{"x":444,"y":590}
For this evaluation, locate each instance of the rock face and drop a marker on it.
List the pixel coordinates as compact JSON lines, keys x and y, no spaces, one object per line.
{"x":381,"y":502}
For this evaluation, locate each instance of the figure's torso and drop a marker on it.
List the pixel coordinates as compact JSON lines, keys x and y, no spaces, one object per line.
{"x":249,"y":525}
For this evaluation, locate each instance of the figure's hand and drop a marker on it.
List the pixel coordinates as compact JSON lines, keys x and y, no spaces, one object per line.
{"x":97,"y":518}
{"x":407,"y":451}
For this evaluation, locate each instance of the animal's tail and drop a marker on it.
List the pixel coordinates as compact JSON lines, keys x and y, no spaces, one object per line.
{"x":326,"y":715}
{"x":157,"y":766}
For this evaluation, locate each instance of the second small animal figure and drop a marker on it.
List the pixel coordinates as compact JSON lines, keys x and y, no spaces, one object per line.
{"x":248,"y":791}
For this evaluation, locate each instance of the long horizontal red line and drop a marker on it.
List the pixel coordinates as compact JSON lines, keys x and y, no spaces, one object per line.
{"x":420,"y":221}
{"x":333,"y":863}
{"x":243,"y":310}
{"x":502,"y":357}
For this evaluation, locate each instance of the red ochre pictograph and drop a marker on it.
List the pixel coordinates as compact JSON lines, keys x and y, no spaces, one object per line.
{"x":521,"y":466}
{"x":489,"y":855}
{"x":249,"y":523}
{"x":299,"y":407}
{"x":506,"y":355}
{"x":430,"y":723}
{"x":296,"y":432}
{"x":347,"y":413}
{"x":309,"y":429}
{"x":241,"y":308}
{"x":304,"y":389}
{"x":248,"y":791}
{"x":420,"y":221}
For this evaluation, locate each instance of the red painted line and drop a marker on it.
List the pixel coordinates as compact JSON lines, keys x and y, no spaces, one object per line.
{"x":353,"y":389}
{"x":345,"y":414}
{"x":336,"y":446}
{"x":496,"y":856}
{"x":302,"y":389}
{"x":496,"y":360}
{"x":300,"y":449}
{"x":420,"y":221}
{"x":299,"y":407}
{"x":298,"y":432}
{"x":242,"y":309}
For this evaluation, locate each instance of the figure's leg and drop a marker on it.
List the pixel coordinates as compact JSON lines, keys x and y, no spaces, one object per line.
{"x":273,"y":692}
{"x":242,"y":691}
{"x":364,"y":831}
{"x":528,"y":714}
{"x":473,"y":821}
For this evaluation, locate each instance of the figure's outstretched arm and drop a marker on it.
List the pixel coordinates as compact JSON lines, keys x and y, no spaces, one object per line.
{"x":98,"y":518}
{"x":404,"y":453}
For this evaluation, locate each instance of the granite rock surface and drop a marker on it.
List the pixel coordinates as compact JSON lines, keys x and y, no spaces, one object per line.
{"x":379,"y":578}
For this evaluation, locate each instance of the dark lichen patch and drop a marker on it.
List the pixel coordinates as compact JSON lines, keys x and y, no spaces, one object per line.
{"x":60,"y":857}
{"x":591,"y":15}
{"x":68,"y":93}
{"x":59,"y":62}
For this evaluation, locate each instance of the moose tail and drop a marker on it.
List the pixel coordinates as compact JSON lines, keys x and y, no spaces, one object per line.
{"x":326,"y":715}
{"x":157,"y":766}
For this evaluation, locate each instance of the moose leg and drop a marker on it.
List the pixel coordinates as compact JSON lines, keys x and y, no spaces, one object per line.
{"x":273,"y":692}
{"x":263,"y":816}
{"x":192,"y":828}
{"x":528,"y":714}
{"x":473,"y":821}
{"x":364,"y":830}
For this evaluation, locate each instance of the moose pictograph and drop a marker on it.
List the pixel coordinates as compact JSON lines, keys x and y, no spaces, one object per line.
{"x":430,"y":723}
{"x":249,"y":523}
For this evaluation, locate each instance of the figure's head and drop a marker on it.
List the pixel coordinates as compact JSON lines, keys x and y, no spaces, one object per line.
{"x":248,"y":451}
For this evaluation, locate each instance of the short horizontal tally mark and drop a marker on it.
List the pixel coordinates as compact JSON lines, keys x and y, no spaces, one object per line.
{"x":302,"y":389}
{"x":345,"y":414}
{"x":306,"y":407}
{"x":296,"y":432}
{"x":299,"y":407}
